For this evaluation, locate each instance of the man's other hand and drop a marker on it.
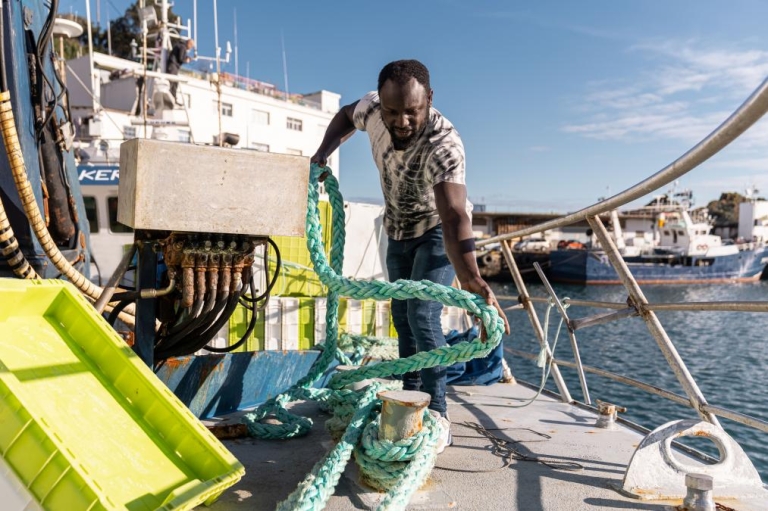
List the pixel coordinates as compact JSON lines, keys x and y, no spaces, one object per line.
{"x":479,"y":286}
{"x":322,"y":160}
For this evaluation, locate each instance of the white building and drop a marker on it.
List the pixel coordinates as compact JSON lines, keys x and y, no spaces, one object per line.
{"x":753,"y":220}
{"x":259,"y":115}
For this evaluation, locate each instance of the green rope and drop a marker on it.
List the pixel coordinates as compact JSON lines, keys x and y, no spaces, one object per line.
{"x":354,"y":408}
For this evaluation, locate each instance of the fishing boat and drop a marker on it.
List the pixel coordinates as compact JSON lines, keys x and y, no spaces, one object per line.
{"x":92,"y":421}
{"x":679,"y":249}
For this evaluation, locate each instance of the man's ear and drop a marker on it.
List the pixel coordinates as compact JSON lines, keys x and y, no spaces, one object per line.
{"x":429,"y":98}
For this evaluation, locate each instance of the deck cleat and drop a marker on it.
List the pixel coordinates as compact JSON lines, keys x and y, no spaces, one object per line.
{"x":607,"y":413}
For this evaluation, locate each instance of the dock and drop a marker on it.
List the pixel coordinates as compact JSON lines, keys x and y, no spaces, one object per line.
{"x":558,"y":460}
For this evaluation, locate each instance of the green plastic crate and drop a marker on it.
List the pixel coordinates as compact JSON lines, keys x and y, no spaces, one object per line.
{"x":297,"y":278}
{"x":306,"y":323}
{"x":238,"y":324}
{"x":84,"y":424}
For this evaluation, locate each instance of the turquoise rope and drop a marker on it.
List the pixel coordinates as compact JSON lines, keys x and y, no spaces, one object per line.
{"x":314,"y":492}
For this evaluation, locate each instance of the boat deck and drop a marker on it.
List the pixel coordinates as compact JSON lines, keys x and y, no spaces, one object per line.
{"x":468,"y":475}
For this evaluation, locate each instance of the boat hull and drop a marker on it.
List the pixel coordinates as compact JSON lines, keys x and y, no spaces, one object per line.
{"x":587,"y":267}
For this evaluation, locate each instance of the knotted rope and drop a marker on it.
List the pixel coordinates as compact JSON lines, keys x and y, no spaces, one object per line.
{"x":314,"y":491}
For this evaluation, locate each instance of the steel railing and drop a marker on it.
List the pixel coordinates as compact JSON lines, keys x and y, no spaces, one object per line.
{"x":637,"y":305}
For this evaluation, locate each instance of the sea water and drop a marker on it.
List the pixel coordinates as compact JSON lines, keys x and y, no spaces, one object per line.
{"x":726,"y":353}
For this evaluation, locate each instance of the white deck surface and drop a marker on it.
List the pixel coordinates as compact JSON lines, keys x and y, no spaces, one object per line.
{"x":467,"y":474}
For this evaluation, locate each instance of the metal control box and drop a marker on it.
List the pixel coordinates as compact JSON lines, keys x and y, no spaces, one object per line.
{"x":171,"y":186}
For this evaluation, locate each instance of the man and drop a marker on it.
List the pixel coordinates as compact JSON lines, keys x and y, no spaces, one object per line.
{"x":420,"y":158}
{"x":176,"y":59}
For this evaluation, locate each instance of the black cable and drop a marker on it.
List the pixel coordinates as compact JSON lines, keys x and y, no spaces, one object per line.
{"x":272,"y":282}
{"x":3,"y":79}
{"x":117,"y":310}
{"x":248,"y":331}
{"x":198,"y":339}
{"x":47,"y":30}
{"x":505,"y":450}
{"x":255,"y":309}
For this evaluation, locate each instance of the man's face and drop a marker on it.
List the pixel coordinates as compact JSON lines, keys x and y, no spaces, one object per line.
{"x":404,"y":111}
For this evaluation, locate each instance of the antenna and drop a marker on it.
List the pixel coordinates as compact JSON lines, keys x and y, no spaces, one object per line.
{"x":237,"y":73}
{"x":285,"y":64}
{"x":216,"y":33}
{"x":194,"y":16}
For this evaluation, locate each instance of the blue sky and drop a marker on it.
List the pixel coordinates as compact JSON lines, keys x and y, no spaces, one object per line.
{"x":558,"y":103}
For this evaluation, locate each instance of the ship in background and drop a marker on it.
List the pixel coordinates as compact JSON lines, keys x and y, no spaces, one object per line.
{"x":668,"y":242}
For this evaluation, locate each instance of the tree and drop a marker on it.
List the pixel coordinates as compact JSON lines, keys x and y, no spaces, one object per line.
{"x":725,"y":210}
{"x":123,"y":31}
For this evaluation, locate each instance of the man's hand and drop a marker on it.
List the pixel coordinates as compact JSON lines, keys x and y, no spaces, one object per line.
{"x":321,"y":159}
{"x":479,"y":286}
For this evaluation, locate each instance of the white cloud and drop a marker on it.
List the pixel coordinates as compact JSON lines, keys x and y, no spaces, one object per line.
{"x":684,"y":95}
{"x":540,"y":148}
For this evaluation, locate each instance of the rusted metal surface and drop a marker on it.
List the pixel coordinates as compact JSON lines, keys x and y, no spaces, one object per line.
{"x":656,"y":473}
{"x":402,"y":413}
{"x":606,"y":414}
{"x":637,"y":299}
{"x":229,"y":431}
{"x":747,"y":420}
{"x":213,"y":385}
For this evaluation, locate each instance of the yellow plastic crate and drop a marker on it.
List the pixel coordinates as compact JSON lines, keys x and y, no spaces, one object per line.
{"x":297,"y":278}
{"x":84,"y":424}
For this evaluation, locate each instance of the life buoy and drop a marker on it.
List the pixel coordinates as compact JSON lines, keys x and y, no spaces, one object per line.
{"x":703,"y":247}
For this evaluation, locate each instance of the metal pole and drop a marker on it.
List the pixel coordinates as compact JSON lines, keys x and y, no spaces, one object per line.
{"x":109,"y":290}
{"x":565,"y":394}
{"x":571,"y":335}
{"x":652,"y":321}
{"x":146,"y":278}
{"x":651,"y":389}
{"x":733,"y":306}
{"x":710,"y":306}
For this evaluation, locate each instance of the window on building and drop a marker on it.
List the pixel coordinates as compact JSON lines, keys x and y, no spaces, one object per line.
{"x":260,"y":147}
{"x":114,"y":225}
{"x":226,"y":108}
{"x":129,"y":132}
{"x":184,"y":136}
{"x":294,"y":124}
{"x":296,"y":152}
{"x":92,"y":213}
{"x":260,"y":117}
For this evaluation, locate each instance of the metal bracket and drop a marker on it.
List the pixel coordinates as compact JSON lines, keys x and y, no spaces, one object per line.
{"x":656,"y":473}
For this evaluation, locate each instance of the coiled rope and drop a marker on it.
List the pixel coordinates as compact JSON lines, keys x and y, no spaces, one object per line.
{"x":314,"y":492}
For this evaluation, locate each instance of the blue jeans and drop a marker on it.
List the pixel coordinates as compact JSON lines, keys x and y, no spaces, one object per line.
{"x":417,"y":321}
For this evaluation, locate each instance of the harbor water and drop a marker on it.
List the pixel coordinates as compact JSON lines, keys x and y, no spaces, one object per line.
{"x":726,"y":352}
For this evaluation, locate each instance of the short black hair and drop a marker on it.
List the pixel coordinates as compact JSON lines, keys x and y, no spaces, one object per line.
{"x":400,"y":71}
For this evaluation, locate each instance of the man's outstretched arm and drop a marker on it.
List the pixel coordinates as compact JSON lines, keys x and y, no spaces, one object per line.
{"x":340,"y":128}
{"x":451,"y":201}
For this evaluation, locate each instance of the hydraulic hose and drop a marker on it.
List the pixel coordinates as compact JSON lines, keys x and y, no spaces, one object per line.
{"x":10,"y":251}
{"x":31,"y":209}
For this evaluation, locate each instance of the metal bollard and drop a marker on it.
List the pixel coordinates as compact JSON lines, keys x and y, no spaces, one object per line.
{"x":699,"y":497}
{"x":607,"y":413}
{"x":358,"y":385}
{"x":402,"y":412}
